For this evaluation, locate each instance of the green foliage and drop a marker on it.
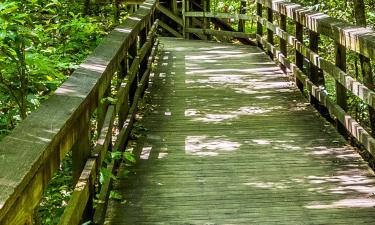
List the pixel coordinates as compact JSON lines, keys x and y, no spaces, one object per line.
{"x":41,"y":43}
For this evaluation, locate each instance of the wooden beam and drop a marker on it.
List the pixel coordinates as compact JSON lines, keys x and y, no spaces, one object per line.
{"x":170,"y":29}
{"x":170,"y":14}
{"x":221,"y":33}
{"x":235,"y":17}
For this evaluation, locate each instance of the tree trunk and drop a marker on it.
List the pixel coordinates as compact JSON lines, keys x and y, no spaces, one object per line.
{"x":366,"y":71}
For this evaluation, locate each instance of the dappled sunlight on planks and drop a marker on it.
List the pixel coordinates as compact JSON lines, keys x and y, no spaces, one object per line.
{"x":235,"y":143}
{"x":209,"y":146}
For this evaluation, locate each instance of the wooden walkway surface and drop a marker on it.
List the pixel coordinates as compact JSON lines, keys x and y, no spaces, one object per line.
{"x":231,"y":141}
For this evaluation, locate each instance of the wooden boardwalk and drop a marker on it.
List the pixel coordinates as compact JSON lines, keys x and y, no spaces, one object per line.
{"x":231,"y":141}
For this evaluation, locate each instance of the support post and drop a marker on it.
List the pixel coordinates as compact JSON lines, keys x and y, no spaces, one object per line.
{"x":299,"y":56}
{"x":316,"y":74}
{"x":187,"y":20}
{"x":259,"y":24}
{"x":206,"y":21}
{"x":341,"y":95}
{"x":242,"y":23}
{"x":132,"y":54}
{"x":121,"y":74}
{"x":270,"y":32}
{"x":283,"y":42}
{"x":81,"y":149}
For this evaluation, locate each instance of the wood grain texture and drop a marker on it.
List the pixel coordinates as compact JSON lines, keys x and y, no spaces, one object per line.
{"x":231,"y":141}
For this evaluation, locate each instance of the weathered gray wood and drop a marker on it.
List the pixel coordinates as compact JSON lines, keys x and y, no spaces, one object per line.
{"x":341,"y":96}
{"x":241,"y":22}
{"x":170,"y":29}
{"x":283,"y":42}
{"x":170,"y":14}
{"x":81,"y":195}
{"x":219,"y":15}
{"x":81,"y":149}
{"x":198,"y":166}
{"x":259,"y":24}
{"x":357,"y":88}
{"x":187,"y":20}
{"x":269,"y":31}
{"x":220,"y":33}
{"x":298,"y":55}
{"x":352,"y":126}
{"x":32,"y":153}
{"x":355,"y":38}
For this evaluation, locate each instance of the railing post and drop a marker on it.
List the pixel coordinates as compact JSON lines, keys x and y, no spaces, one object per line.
{"x":81,"y":149}
{"x":187,"y":20}
{"x":341,"y":95}
{"x":283,"y":42}
{"x":132,"y":54}
{"x":242,"y":23}
{"x":121,"y":74}
{"x":316,"y":74}
{"x":174,"y":7}
{"x":270,"y":32}
{"x":206,"y":21}
{"x":259,"y":24}
{"x":299,"y":56}
{"x":142,"y":41}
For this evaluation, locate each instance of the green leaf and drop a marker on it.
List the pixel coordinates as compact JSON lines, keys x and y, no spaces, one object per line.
{"x":106,"y":174}
{"x":115,"y":195}
{"x":129,"y":157}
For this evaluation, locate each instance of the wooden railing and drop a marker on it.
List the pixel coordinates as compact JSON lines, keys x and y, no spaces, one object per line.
{"x":32,"y":153}
{"x":345,"y":37}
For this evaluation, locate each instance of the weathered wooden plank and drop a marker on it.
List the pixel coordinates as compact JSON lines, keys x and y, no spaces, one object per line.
{"x":104,"y":142}
{"x":170,"y":14}
{"x":198,"y":166}
{"x":170,"y":29}
{"x":220,"y":33}
{"x":235,"y":17}
{"x":76,"y":206}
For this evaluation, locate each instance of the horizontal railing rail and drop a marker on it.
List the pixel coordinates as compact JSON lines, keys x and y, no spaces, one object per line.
{"x":202,"y":21}
{"x":32,"y":153}
{"x":345,"y":36}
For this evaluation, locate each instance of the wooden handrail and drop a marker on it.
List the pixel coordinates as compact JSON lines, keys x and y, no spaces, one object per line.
{"x":345,"y":36}
{"x":31,"y":154}
{"x":355,"y":38}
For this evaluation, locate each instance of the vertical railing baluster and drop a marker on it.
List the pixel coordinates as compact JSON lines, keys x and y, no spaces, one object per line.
{"x":81,"y":151}
{"x":259,"y":24}
{"x":187,"y":20}
{"x":316,"y":74}
{"x":121,"y":74}
{"x":242,"y":23}
{"x":341,"y":95}
{"x":132,"y":54}
{"x":283,"y":42}
{"x":174,"y":7}
{"x":206,"y":21}
{"x":142,"y":41}
{"x":269,"y":31}
{"x":299,"y":56}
